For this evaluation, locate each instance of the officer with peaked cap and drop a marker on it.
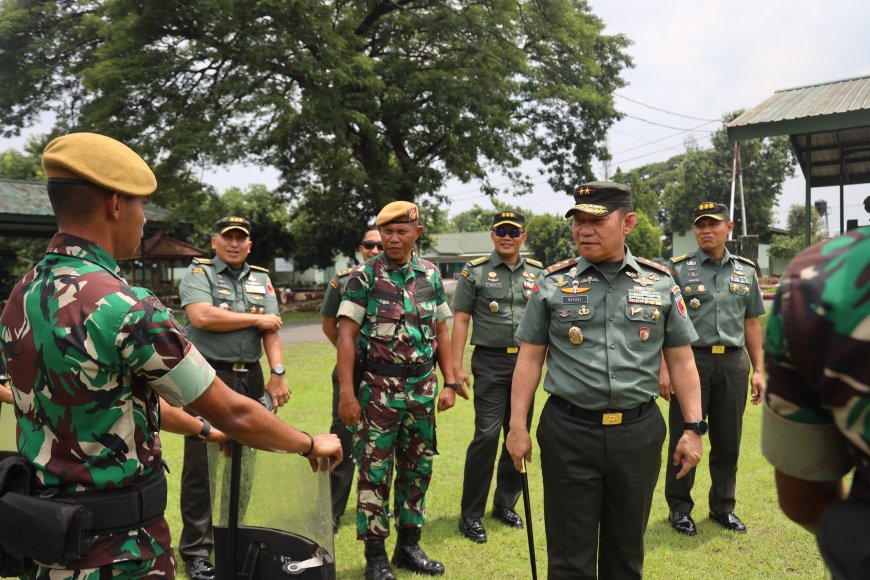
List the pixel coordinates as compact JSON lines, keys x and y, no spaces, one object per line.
{"x":724,"y":300}
{"x":233,"y":318}
{"x":395,"y":307}
{"x":493,"y":290}
{"x":601,"y":321}
{"x":95,"y":365}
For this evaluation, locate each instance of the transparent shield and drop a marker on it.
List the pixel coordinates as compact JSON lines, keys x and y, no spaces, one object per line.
{"x":7,"y":428}
{"x":284,"y":516}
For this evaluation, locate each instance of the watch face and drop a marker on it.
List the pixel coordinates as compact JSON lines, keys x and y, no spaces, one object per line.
{"x":278,"y":369}
{"x":701,"y":427}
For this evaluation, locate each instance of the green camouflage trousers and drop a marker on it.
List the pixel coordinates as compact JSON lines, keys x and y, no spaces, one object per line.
{"x":386,"y":435}
{"x":160,"y":567}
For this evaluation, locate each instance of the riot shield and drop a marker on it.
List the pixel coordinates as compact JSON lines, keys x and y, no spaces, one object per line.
{"x":272,"y":516}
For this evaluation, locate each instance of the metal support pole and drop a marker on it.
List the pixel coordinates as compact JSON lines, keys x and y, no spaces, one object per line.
{"x":809,"y":181}
{"x":740,"y":181}
{"x":733,"y":182}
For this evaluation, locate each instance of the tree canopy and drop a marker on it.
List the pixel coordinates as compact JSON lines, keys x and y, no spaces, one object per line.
{"x":355,"y":103}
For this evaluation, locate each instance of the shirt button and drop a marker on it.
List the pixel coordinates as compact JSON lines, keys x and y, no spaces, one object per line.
{"x":613,"y":375}
{"x":612,"y":346}
{"x":610,"y":290}
{"x":612,"y":318}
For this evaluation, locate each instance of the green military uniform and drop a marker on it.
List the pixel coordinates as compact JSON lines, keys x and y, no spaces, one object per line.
{"x":235,"y":355}
{"x":721,"y":295}
{"x":89,"y":355}
{"x":341,"y":478}
{"x":814,"y":425}
{"x":495,"y":295}
{"x":601,"y":433}
{"x":397,"y":308}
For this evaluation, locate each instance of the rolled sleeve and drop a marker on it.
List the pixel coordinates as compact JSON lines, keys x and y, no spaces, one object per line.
{"x":194,"y":288}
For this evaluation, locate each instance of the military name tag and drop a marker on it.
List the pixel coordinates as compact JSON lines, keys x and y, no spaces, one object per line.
{"x":576,"y":299}
{"x":493,"y":284}
{"x":252,"y":289}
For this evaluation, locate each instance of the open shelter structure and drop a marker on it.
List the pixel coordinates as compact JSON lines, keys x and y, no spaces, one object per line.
{"x":828,"y":125}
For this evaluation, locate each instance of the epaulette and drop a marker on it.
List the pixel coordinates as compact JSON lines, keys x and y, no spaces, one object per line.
{"x":676,"y":259}
{"x":747,"y":260}
{"x":534,"y":263}
{"x":561,"y":265}
{"x":478,"y":261}
{"x":344,"y":272}
{"x":260,"y":269}
{"x":203,"y":261}
{"x":653,"y":265}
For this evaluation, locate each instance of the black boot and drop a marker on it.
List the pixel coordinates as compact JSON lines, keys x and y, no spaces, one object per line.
{"x":410,"y":556}
{"x":377,"y":565}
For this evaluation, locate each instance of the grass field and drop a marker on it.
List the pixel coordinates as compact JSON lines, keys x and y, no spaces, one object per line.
{"x":773,"y":547}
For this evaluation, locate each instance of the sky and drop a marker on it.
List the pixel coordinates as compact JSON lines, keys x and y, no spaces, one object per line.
{"x":695,"y":60}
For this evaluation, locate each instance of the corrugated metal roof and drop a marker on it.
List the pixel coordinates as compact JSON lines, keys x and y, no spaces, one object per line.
{"x":26,"y":211}
{"x":800,"y":103}
{"x":828,"y":125}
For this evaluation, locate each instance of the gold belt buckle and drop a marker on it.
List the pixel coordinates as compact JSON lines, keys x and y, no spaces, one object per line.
{"x":718,"y":349}
{"x":611,"y":418}
{"x":238,"y":366}
{"x":513,"y":349}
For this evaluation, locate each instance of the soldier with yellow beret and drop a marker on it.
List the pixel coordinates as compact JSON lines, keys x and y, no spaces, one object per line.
{"x":394,"y":306}
{"x":98,"y":367}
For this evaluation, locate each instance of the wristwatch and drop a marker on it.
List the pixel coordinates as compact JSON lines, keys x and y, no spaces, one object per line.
{"x":700,"y":427}
{"x":278,"y":370}
{"x":453,"y":386}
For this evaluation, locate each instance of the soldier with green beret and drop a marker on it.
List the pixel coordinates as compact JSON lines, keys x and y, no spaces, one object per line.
{"x":724,"y":300}
{"x":233,"y":318}
{"x":493,"y":290}
{"x":394,"y":306}
{"x":98,"y":368}
{"x":601,"y":322}
{"x":341,"y":478}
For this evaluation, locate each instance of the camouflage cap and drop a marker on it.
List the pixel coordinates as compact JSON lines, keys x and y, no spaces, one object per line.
{"x":98,"y":160}
{"x":600,"y":198}
{"x":397,"y":211}
{"x":228,"y":223}
{"x":514,"y":218}
{"x":717,"y":211}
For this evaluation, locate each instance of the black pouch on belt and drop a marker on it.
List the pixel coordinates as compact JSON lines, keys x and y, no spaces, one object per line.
{"x":46,"y":530}
{"x":15,"y":474}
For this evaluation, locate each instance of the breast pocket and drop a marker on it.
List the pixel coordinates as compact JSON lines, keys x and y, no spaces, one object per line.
{"x":386,"y":321}
{"x":644,"y":328}
{"x":427,"y":319}
{"x":221,"y":296}
{"x":574,"y":327}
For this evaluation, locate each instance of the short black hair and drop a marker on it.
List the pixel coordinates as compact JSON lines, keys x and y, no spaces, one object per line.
{"x":369,"y":228}
{"x":75,"y":201}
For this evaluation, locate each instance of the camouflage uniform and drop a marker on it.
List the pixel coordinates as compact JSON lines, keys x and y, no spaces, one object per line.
{"x":815,"y":421}
{"x":89,"y":355}
{"x":397,"y":308}
{"x":341,"y":478}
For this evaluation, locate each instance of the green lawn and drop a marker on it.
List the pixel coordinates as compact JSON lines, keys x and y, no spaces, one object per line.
{"x":773,"y":547}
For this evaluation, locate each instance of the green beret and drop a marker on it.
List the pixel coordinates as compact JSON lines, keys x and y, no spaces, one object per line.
{"x":98,"y":160}
{"x":600,"y":198}
{"x":717,"y":211}
{"x":397,"y":211}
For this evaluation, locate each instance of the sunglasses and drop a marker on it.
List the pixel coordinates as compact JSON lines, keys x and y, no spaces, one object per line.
{"x":502,"y":232}
{"x":371,"y":245}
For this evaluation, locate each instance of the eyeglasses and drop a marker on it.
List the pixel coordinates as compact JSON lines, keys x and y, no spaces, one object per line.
{"x":502,"y":232}
{"x":371,"y":245}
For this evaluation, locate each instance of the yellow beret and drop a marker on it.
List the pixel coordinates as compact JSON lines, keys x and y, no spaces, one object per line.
{"x":100,"y":160}
{"x":397,"y":211}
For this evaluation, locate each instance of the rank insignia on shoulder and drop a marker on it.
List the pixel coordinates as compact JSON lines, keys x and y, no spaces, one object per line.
{"x":653,"y":265}
{"x":534,"y":263}
{"x":202,"y":261}
{"x":260,"y":269}
{"x":464,"y":273}
{"x":334,"y":283}
{"x":478,"y":261}
{"x":746,"y":260}
{"x":198,"y":270}
{"x":344,"y":272}
{"x":561,"y":265}
{"x":680,"y":258}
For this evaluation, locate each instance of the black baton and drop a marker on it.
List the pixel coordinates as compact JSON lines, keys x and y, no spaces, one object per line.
{"x":527,"y":503}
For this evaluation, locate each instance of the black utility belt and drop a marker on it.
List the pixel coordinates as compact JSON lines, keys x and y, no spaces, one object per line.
{"x":51,"y":526}
{"x":499,"y":349}
{"x":236,"y":366}
{"x":403,"y":371}
{"x":606,"y":417}
{"x":717,"y":349}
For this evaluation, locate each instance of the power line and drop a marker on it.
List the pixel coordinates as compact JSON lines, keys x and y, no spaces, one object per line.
{"x":664,"y":110}
{"x":697,"y":129}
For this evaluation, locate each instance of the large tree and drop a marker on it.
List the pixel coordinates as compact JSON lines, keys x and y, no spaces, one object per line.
{"x":355,"y":103}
